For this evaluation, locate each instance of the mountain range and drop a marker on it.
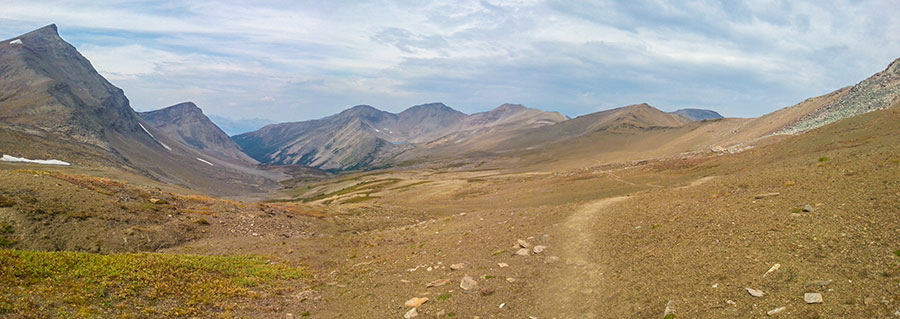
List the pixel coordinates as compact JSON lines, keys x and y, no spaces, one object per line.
{"x":52,"y":96}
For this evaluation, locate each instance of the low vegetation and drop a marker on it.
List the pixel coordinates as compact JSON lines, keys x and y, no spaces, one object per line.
{"x":83,"y":285}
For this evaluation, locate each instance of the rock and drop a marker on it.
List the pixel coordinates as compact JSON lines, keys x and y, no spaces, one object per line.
{"x":502,"y":265}
{"x":812,"y":297}
{"x":670,"y":308}
{"x":510,"y":280}
{"x":775,"y":311}
{"x":774,"y":268}
{"x":523,"y":252}
{"x":467,"y":283}
{"x":807,"y":208}
{"x":158,"y":201}
{"x":289,"y":316}
{"x":412,"y":313}
{"x":523,"y":244}
{"x":818,"y":283}
{"x":457,"y":266}
{"x":539,"y":249}
{"x":415,"y":302}
{"x":544,"y":238}
{"x":766,"y":195}
{"x":755,"y":292}
{"x":731,"y":302}
{"x":437,"y":283}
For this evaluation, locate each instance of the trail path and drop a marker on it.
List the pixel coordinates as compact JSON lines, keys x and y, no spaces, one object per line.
{"x":578,"y":288}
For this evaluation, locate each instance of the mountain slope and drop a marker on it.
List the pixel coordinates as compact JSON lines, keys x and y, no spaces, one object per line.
{"x":52,"y":101}
{"x":187,"y":124}
{"x":698,"y":114}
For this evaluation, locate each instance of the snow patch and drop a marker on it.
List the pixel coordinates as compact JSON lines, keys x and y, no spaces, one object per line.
{"x":205,"y":161}
{"x":16,"y":41}
{"x":154,"y":137}
{"x":9,"y":158}
{"x":377,"y":130}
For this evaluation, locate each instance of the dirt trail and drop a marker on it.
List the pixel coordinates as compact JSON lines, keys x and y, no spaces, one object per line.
{"x":578,"y":287}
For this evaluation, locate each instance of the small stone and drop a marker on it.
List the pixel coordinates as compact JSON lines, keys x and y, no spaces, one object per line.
{"x":415,"y":302}
{"x":731,"y":302}
{"x":812,"y":297}
{"x":502,"y":265}
{"x":807,"y":208}
{"x":467,"y":283}
{"x":157,"y":201}
{"x":523,"y":244}
{"x":755,"y":292}
{"x":457,"y":266}
{"x":775,"y":311}
{"x":523,"y":252}
{"x":437,"y":283}
{"x":289,"y":316}
{"x":766,"y":195}
{"x":412,"y":313}
{"x":539,"y":249}
{"x":429,"y":269}
{"x":510,"y":280}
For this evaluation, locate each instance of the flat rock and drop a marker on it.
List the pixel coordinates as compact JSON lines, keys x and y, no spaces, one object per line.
{"x":755,"y":292}
{"x":437,"y":283}
{"x":539,"y":249}
{"x":523,"y":252}
{"x":775,"y":311}
{"x":522,"y":243}
{"x":670,"y":308}
{"x":502,"y":265}
{"x":766,"y":195}
{"x":808,"y":208}
{"x":812,"y":297}
{"x":457,"y":266}
{"x":467,"y":283}
{"x":415,"y":302}
{"x":412,"y":313}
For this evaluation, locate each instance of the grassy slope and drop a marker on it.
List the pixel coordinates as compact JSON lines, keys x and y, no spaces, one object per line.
{"x":83,"y":285}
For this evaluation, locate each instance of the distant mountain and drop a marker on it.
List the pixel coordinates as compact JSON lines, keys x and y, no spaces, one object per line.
{"x":234,"y":127}
{"x":698,"y":114}
{"x":186,"y":123}
{"x":364,"y":136}
{"x":54,"y":104}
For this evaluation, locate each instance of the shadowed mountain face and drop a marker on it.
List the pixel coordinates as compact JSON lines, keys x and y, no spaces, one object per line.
{"x":187,"y":124}
{"x":698,"y":114}
{"x":364,"y":136}
{"x":53,"y":103}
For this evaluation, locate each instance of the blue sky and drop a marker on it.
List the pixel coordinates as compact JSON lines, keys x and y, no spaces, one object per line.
{"x":297,"y":60}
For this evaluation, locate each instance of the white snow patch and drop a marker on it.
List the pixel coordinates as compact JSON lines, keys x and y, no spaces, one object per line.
{"x":377,"y":130}
{"x":205,"y":161}
{"x":16,"y":41}
{"x":9,"y":158}
{"x":154,"y":137}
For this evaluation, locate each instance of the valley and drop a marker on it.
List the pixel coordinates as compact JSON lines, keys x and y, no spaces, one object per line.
{"x":515,"y":212}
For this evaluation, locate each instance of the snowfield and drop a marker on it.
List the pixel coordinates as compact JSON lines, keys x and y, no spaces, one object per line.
{"x":10,"y":158}
{"x":205,"y":161}
{"x":154,"y":137}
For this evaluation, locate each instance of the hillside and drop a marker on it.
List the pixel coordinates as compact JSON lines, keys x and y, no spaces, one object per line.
{"x":699,"y":114}
{"x":186,"y":124}
{"x":54,"y":104}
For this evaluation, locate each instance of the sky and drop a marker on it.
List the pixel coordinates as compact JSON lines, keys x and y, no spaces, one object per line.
{"x":299,"y":60}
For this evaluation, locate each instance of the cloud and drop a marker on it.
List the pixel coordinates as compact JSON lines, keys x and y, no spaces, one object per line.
{"x":315,"y":58}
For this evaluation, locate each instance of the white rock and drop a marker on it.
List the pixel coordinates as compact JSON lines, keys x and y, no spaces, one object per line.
{"x":812,"y":297}
{"x":774,"y":268}
{"x":755,"y":292}
{"x":457,"y":266}
{"x":775,"y":311}
{"x":467,"y":283}
{"x":670,"y":308}
{"x":412,"y":313}
{"x":523,"y":252}
{"x":415,"y":302}
{"x":502,"y":265}
{"x":539,"y":249}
